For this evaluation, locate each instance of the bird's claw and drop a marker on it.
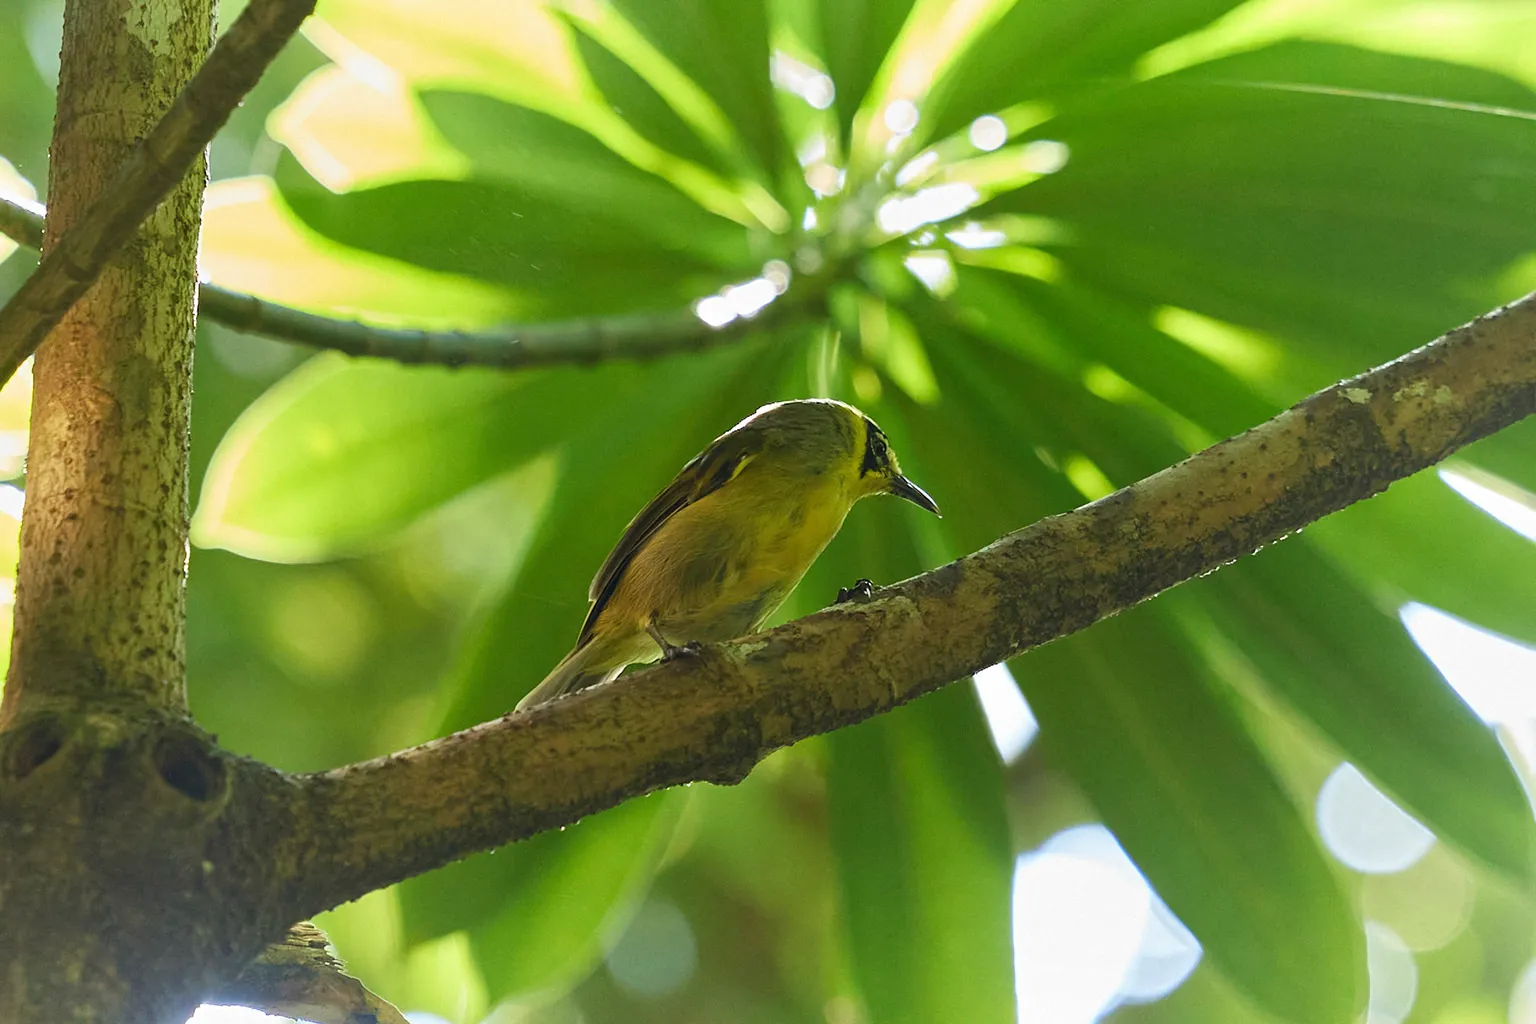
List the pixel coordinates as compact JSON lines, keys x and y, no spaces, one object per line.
{"x":863,"y":590}
{"x":672,"y":652}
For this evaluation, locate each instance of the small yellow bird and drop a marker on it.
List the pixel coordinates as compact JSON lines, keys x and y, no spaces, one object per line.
{"x":715,"y":553}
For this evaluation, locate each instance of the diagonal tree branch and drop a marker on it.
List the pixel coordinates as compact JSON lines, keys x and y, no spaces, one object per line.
{"x":587,"y":340}
{"x":714,"y":716}
{"x":72,"y":263}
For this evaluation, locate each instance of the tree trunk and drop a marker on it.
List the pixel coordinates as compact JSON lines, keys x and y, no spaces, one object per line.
{"x":102,"y":781}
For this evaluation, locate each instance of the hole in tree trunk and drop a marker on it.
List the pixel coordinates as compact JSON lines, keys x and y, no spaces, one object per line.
{"x":33,"y":745}
{"x":188,"y":768}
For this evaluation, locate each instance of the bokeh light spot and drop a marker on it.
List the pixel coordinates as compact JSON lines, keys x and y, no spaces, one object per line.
{"x":901,"y":117}
{"x":715,"y":310}
{"x":1364,"y":829}
{"x":988,"y":133}
{"x":657,"y":954}
{"x":1394,"y":975}
{"x":1045,"y":156}
{"x":1012,"y":724}
{"x":1495,"y":676}
{"x":1089,"y":933}
{"x":901,"y":214}
{"x":1508,"y":504}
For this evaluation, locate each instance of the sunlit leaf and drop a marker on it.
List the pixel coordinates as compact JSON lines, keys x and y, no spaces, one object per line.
{"x":1037,"y":49}
{"x":515,"y":49}
{"x":343,"y":453}
{"x":855,"y":36}
{"x":560,"y":260}
{"x":1049,"y":413}
{"x":348,"y":131}
{"x":439,"y":976}
{"x":1268,"y":205}
{"x":253,"y":242}
{"x":1101,"y":327}
{"x":560,"y":163}
{"x":640,"y":105}
{"x":1472,"y":32}
{"x":1347,"y":665}
{"x":723,"y":46}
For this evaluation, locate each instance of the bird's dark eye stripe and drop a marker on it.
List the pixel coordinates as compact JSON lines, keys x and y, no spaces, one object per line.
{"x":875,"y":457}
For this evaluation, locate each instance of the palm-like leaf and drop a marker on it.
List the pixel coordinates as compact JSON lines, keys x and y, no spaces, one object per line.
{"x":1337,"y":203}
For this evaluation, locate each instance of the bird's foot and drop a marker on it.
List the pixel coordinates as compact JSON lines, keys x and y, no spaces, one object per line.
{"x":862,"y":591}
{"x":672,"y":652}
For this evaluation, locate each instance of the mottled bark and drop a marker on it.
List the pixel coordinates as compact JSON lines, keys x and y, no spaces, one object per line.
{"x":100,"y":592}
{"x":98,"y":650}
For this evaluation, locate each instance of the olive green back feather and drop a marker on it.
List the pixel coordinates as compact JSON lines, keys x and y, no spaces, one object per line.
{"x":704,"y":474}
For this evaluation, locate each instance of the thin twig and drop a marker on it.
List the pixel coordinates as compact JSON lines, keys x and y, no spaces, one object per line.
{"x":588,"y":340}
{"x":150,"y":172}
{"x":22,"y":222}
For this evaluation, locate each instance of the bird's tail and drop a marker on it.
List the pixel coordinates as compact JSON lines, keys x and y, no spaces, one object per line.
{"x":585,"y":666}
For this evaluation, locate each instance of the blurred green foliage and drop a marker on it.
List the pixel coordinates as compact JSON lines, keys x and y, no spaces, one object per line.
{"x":1172,"y":219}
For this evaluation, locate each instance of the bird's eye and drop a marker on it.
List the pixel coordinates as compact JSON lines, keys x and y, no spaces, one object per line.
{"x":876,"y":454}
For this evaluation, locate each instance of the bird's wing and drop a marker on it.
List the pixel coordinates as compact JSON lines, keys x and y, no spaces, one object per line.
{"x":704,"y":474}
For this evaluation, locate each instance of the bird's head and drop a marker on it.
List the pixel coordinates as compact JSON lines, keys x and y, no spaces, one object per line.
{"x":880,"y":472}
{"x":828,"y":436}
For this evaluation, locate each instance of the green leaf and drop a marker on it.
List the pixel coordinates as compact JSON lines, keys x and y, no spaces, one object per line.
{"x":517,"y":50}
{"x":252,"y":241}
{"x":640,"y":105}
{"x":571,"y":895}
{"x":723,"y":46}
{"x":561,"y":261}
{"x":918,"y":825}
{"x":1038,"y":48}
{"x":1421,"y":541}
{"x":1105,"y":328}
{"x":1253,"y":189}
{"x":1511,"y":454}
{"x":1050,"y":412}
{"x":1130,"y":712}
{"x":341,"y":454}
{"x":1319,"y":642}
{"x":559,"y":163}
{"x":542,"y":911}
{"x":856,"y":35}
{"x":916,"y":806}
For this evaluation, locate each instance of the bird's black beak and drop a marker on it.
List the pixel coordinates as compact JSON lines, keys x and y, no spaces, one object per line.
{"x":904,"y":488}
